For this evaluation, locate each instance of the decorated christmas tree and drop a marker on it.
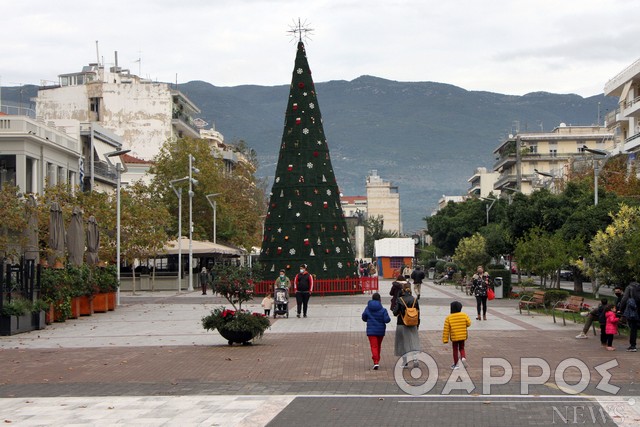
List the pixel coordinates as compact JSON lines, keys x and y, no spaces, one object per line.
{"x":305,"y":223}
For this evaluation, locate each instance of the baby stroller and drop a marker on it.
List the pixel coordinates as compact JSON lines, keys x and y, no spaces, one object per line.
{"x":281,"y":302}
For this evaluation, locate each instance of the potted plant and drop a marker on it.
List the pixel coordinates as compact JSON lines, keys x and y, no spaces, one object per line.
{"x":235,"y":284}
{"x":106,"y":281}
{"x":55,"y":290}
{"x":15,"y":317}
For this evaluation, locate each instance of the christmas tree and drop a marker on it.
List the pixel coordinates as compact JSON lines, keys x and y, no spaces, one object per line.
{"x":305,"y":223}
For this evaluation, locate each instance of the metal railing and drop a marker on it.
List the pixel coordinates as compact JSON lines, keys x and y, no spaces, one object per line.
{"x":357,"y":285}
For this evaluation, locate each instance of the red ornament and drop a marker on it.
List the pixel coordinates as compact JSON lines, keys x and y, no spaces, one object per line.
{"x":325,"y":205}
{"x":298,"y":120}
{"x":273,"y":205}
{"x":295,"y":107}
{"x":301,"y":85}
{"x":290,"y":168}
{"x":326,"y":250}
{"x":315,"y":154}
{"x":306,"y":242}
{"x":279,"y":250}
{"x":308,"y":226}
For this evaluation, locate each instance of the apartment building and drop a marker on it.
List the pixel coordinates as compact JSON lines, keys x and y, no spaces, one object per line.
{"x":143,"y":113}
{"x":624,"y":121}
{"x":481,"y":183}
{"x":383,"y":199}
{"x":529,"y":161}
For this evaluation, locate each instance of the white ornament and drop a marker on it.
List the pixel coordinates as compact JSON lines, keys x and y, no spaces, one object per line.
{"x":289,"y":205}
{"x":277,"y":179}
{"x":319,"y":142}
{"x":273,"y":267}
{"x":337,"y":250}
{"x":304,"y":93}
{"x":310,"y":165}
{"x":299,"y":71}
{"x":328,"y":192}
{"x":339,"y":265}
{"x":324,"y":179}
{"x":312,"y":253}
{"x":292,"y":251}
{"x":312,"y":105}
{"x":305,"y":131}
{"x":281,"y":193}
{"x":279,"y":229}
{"x":297,"y":214}
{"x":324,"y":266}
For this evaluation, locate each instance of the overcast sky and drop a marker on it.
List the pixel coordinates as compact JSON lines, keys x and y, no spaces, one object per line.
{"x":511,"y":47}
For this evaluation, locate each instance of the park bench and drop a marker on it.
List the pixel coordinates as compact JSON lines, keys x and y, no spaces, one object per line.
{"x":535,"y":300}
{"x":572,"y":305}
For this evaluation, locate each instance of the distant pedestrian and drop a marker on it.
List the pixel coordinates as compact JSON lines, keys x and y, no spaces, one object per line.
{"x":479,"y":288}
{"x":267,"y":304}
{"x":397,"y":289}
{"x":630,"y":308}
{"x":303,"y":285}
{"x":417,"y":276}
{"x":407,"y":342}
{"x":612,"y":325}
{"x":204,"y":279}
{"x":376,"y":317}
{"x":406,"y":272}
{"x":455,"y":329}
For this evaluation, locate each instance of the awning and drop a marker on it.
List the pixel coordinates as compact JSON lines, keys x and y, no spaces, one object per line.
{"x":102,"y":148}
{"x":199,"y":247}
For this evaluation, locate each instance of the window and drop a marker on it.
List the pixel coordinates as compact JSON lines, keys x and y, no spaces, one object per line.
{"x":533,"y":148}
{"x":396,"y":263}
{"x":553,"y":153}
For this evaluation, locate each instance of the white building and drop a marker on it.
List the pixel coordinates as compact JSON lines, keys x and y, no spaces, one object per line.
{"x":481,"y":183}
{"x":624,"y":122}
{"x":383,"y":199}
{"x":34,"y":154}
{"x":143,"y":113}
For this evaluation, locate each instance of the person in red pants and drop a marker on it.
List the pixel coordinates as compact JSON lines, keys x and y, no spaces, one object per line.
{"x":377,"y":318}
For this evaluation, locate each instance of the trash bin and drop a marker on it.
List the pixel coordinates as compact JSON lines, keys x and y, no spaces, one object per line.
{"x":432,"y":273}
{"x":498,"y":287}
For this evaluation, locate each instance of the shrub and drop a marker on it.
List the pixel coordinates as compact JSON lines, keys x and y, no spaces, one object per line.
{"x":237,"y":321}
{"x":552,"y":296}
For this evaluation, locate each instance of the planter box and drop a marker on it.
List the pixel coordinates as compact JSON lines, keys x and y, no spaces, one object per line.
{"x":38,"y":320}
{"x":75,"y":308}
{"x":241,"y":337}
{"x":86,"y":305}
{"x":100,"y":303}
{"x":11,"y":325}
{"x":111,"y":300}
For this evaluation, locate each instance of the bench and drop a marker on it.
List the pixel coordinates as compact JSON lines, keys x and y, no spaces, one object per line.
{"x":535,"y":300}
{"x":462,"y":285}
{"x":572,"y":305}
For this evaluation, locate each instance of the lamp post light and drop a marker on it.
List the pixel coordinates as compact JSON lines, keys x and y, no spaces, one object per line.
{"x":596,"y":168}
{"x":192,"y":181}
{"x":119,"y":169}
{"x":178,"y":192}
{"x":548,"y":175}
{"x":214,"y":205}
{"x":487,"y":206}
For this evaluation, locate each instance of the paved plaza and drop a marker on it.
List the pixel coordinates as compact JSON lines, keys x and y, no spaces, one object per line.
{"x":151,"y":363}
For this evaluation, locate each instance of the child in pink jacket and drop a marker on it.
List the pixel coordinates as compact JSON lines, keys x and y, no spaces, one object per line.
{"x":611,"y":327}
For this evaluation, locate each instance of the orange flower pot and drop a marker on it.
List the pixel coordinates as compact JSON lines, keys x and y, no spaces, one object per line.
{"x":100,"y":303}
{"x":111,"y":300}
{"x":86,"y":306}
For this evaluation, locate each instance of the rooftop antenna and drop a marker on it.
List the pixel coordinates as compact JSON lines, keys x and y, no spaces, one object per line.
{"x":97,"y":53}
{"x":300,"y":30}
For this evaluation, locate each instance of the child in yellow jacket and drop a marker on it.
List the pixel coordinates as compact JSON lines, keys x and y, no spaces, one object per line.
{"x":455,"y":328}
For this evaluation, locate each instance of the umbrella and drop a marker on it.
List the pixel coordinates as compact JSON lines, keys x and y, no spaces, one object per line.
{"x":75,"y":237}
{"x":56,"y":233}
{"x":93,"y":241}
{"x":31,"y":232}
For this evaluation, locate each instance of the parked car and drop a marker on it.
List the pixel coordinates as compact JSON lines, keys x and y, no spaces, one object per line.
{"x":566,"y":275}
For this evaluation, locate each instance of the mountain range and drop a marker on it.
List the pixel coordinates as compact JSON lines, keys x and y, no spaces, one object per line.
{"x":425,"y":137}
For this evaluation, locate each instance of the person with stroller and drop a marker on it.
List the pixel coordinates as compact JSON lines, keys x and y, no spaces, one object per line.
{"x":282,"y":281}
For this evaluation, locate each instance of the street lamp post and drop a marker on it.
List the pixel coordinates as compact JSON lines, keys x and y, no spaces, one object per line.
{"x":178,"y":192}
{"x":118,"y":172}
{"x":488,"y":206}
{"x":548,"y":175}
{"x":192,"y":181}
{"x":214,"y":205}
{"x":596,"y":168}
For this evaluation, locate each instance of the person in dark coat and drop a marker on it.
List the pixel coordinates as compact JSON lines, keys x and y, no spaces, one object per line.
{"x":397,"y":289}
{"x":417,"y":276}
{"x":407,"y":343}
{"x":376,"y":317}
{"x":303,"y":285}
{"x":630,"y":298}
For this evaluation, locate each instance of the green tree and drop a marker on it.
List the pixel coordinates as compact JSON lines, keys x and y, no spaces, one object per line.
{"x":613,"y":250}
{"x":374,"y":230}
{"x":497,"y":239}
{"x":540,"y":252}
{"x":14,"y":220}
{"x":471,"y":252}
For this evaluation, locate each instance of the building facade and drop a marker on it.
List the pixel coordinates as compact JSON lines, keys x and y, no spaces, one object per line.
{"x":144,"y":114}
{"x":34,"y":154}
{"x":481,"y":183}
{"x":383,"y":199}
{"x":624,"y":122}
{"x":544,"y":159}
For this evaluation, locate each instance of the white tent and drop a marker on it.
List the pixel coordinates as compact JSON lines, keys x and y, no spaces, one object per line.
{"x":200,"y":247}
{"x":395,"y":247}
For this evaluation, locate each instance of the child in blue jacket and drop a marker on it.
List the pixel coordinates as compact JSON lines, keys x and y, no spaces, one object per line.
{"x":376,"y":317}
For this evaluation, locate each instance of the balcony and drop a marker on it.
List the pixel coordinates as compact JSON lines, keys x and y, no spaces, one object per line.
{"x":632,"y":108}
{"x":612,"y":118}
{"x":183,"y":125}
{"x":505,"y":162}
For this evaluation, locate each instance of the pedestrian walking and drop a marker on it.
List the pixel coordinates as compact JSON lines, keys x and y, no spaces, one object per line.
{"x":204,"y":279}
{"x":303,"y":285}
{"x":630,"y":308}
{"x":267,"y":304}
{"x":407,"y":342}
{"x":396,"y":291}
{"x":611,"y":325}
{"x":455,"y":329}
{"x":406,"y":272}
{"x":479,"y":288}
{"x":417,"y":276}
{"x":377,"y":318}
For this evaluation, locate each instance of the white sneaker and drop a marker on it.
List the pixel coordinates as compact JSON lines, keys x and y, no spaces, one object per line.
{"x":454,"y":366}
{"x":581,"y":335}
{"x":464,"y":361}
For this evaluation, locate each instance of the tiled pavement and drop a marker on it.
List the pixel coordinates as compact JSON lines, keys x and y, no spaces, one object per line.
{"x":151,"y":363}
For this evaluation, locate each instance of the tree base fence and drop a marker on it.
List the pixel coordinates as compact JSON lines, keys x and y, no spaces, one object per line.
{"x":358,"y":285}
